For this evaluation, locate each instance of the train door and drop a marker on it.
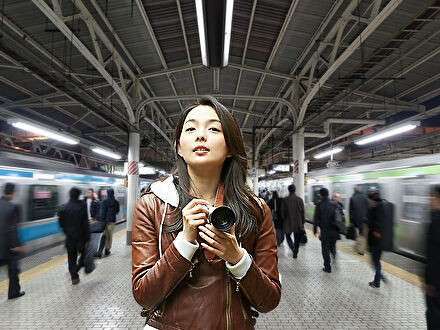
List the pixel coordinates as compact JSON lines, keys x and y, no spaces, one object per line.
{"x":411,"y":226}
{"x":42,"y":201}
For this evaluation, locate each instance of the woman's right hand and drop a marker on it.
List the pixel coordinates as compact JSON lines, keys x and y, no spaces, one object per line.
{"x":194,"y":214}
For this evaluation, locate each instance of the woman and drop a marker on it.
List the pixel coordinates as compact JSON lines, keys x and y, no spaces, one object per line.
{"x":186,"y":273}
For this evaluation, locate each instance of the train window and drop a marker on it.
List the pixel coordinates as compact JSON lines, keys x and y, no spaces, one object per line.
{"x":316,"y":196}
{"x":366,"y":188}
{"x":415,"y":200}
{"x":43,"y":201}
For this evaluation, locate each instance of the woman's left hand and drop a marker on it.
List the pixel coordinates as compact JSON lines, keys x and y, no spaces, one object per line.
{"x":223,"y":244}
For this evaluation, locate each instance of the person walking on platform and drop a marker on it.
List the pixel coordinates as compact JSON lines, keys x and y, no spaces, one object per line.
{"x":325,"y":228}
{"x":380,"y":217}
{"x":73,"y":220}
{"x":10,"y":245}
{"x":92,"y":205}
{"x":294,"y":218}
{"x":110,"y":208}
{"x":432,"y":274}
{"x":188,"y":274}
{"x":336,"y":197}
{"x":275,"y":205}
{"x":358,"y":211}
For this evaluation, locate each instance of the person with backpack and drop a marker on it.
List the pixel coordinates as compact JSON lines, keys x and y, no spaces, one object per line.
{"x":339,"y":219}
{"x":380,"y":232}
{"x":109,"y":210}
{"x":324,"y":227}
{"x":73,"y":219}
{"x":358,"y":210}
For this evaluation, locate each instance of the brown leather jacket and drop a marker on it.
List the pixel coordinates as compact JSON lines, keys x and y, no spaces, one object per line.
{"x":199,"y":294}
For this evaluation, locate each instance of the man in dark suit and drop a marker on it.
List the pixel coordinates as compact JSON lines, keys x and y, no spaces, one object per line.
{"x":324,"y":226}
{"x":294,"y":217}
{"x":73,"y":220}
{"x":10,"y":245}
{"x":358,"y":211}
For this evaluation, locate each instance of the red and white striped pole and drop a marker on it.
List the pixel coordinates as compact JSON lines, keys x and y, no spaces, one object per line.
{"x":133,"y":180}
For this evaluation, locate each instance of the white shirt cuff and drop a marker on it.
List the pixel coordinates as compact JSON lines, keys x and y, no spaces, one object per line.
{"x":240,"y":269}
{"x":185,"y":248}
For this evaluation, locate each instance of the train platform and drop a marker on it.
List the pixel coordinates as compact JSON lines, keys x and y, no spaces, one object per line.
{"x":311,"y":298}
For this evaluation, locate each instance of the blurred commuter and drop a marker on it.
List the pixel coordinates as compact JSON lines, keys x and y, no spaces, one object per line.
{"x":380,"y":216}
{"x":10,"y":245}
{"x":186,"y":273}
{"x":358,"y":211}
{"x":325,"y":228}
{"x":73,"y":220}
{"x":92,"y":205}
{"x":109,"y":210}
{"x":275,"y":204}
{"x":336,"y":197}
{"x":294,"y":218}
{"x":432,"y":275}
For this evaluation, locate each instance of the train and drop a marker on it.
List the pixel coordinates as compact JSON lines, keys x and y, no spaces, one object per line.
{"x":42,"y":185}
{"x":407,"y":183}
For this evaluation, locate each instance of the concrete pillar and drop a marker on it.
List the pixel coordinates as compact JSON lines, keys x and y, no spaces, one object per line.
{"x":133,"y":178}
{"x":298,"y":162}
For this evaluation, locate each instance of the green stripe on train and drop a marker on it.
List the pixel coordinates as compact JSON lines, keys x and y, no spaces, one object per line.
{"x":402,"y":172}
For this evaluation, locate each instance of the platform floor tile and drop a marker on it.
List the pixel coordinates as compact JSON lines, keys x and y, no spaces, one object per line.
{"x":311,"y":299}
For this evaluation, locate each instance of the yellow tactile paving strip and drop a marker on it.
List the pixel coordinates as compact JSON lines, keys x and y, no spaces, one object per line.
{"x":396,"y":271}
{"x":33,"y":272}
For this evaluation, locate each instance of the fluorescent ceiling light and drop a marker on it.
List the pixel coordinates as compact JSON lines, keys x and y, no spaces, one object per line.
{"x":214,"y":21}
{"x":202,"y":34}
{"x":328,"y":152}
{"x":383,"y":134}
{"x":105,"y":152}
{"x":228,"y":27}
{"x":42,"y":131}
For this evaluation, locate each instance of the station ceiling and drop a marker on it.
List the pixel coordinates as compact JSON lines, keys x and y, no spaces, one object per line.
{"x":98,"y":69}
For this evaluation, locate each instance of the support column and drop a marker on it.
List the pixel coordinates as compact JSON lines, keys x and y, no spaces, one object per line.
{"x":298,"y":162}
{"x":133,"y":178}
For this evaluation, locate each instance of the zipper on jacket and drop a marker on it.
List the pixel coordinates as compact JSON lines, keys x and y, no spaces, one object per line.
{"x":228,"y":301}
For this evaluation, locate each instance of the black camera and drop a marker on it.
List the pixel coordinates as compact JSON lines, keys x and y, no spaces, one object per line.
{"x":221,"y":217}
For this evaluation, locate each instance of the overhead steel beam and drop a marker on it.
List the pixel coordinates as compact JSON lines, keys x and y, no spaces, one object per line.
{"x":251,"y":22}
{"x":267,"y":136}
{"x":390,"y":7}
{"x":156,"y":43}
{"x":289,"y":105}
{"x":117,"y":58}
{"x":59,"y":23}
{"x":421,"y":84}
{"x":185,"y":39}
{"x":277,"y":44}
{"x":356,"y":121}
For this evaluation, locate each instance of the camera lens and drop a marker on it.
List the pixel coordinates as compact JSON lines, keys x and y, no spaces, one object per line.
{"x":222,"y":218}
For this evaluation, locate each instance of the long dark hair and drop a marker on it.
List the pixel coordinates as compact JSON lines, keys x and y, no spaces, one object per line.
{"x":236,"y":193}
